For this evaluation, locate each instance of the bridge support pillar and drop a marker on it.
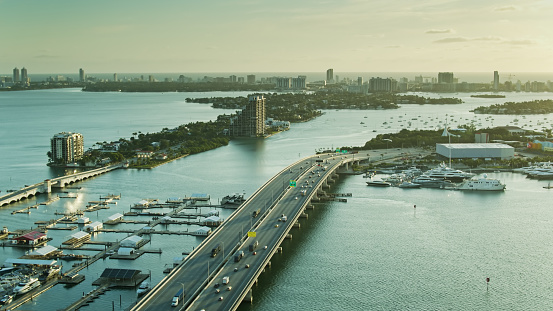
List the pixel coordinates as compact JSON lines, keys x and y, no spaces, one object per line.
{"x":249,"y":296}
{"x":47,"y":186}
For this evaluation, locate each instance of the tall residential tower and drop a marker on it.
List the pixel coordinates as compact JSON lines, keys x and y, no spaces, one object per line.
{"x":67,"y":147}
{"x":330,"y":75}
{"x":15,"y":75}
{"x":250,"y":122}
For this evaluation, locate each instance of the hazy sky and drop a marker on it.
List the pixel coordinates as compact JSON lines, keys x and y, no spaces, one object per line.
{"x":126,"y":36}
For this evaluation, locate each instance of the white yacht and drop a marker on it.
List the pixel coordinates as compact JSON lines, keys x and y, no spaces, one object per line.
{"x":378,"y":183}
{"x":24,"y":287}
{"x":447,"y":173}
{"x":482,"y":184}
{"x":143,"y":288}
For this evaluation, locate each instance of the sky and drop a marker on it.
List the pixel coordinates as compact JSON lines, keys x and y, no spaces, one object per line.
{"x":134,"y":36}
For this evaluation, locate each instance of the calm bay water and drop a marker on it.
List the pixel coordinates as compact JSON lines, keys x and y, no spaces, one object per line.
{"x":375,"y":252}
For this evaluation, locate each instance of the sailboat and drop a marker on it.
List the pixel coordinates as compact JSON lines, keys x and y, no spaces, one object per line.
{"x":548,"y":186}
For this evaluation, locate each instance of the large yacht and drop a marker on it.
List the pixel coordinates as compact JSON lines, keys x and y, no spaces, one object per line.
{"x":482,"y":184}
{"x":428,"y":182}
{"x":447,"y":173}
{"x":24,"y":287}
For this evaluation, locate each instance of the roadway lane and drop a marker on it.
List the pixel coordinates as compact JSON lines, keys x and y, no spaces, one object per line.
{"x":241,"y":278}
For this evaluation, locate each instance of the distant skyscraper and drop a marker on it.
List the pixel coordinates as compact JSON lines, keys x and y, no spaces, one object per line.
{"x":114,"y":77}
{"x":232,"y":79}
{"x":382,"y":85}
{"x":151,"y":78}
{"x":81,"y":75}
{"x":359,"y":80}
{"x":15,"y":75}
{"x":330,"y":75}
{"x":496,"y":80}
{"x":250,"y":79}
{"x":24,"y":76}
{"x":445,"y":77}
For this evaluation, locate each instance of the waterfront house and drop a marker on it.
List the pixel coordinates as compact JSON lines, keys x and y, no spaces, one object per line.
{"x":95,"y":226}
{"x":144,"y":154}
{"x":33,"y":238}
{"x":132,"y":242}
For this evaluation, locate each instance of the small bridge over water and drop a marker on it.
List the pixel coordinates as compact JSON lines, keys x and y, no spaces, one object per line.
{"x":47,"y":185}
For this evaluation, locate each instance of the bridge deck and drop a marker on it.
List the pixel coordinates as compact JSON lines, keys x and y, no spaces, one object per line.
{"x":199,"y":272}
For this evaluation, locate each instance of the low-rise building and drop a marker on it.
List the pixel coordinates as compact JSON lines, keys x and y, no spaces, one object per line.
{"x":476,"y":151}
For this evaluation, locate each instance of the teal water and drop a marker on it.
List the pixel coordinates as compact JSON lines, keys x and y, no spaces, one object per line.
{"x":375,"y":252}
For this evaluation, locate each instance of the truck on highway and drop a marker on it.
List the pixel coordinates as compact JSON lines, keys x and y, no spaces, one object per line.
{"x":226,"y":280}
{"x":238,"y":256}
{"x":256,"y":212}
{"x":215,"y":250}
{"x":179,"y":296}
{"x":253,"y":246}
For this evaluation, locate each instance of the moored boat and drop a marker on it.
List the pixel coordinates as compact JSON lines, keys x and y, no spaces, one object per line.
{"x":235,"y":198}
{"x":378,"y":183}
{"x":409,"y":185}
{"x":482,"y":184}
{"x":6,"y":299}
{"x":143,"y":288}
{"x":24,"y":287}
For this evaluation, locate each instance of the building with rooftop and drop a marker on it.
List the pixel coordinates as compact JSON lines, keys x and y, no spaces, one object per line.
{"x":67,"y":147}
{"x":250,"y":122}
{"x":476,"y":151}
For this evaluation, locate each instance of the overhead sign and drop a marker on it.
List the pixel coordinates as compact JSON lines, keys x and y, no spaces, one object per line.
{"x":251,"y":234}
{"x":292,"y":183}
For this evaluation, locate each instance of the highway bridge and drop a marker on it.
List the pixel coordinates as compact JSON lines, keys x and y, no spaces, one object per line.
{"x":47,"y":185}
{"x":199,"y":273}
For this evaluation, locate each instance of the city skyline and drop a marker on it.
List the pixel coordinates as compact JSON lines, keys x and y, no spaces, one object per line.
{"x":244,"y":36}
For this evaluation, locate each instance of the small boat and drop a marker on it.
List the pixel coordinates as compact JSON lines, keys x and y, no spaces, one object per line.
{"x":378,"y":183}
{"x":143,"y":288}
{"x":235,"y":198}
{"x":548,"y":186}
{"x":24,"y":287}
{"x":50,"y":273}
{"x":409,"y":185}
{"x":6,"y":299}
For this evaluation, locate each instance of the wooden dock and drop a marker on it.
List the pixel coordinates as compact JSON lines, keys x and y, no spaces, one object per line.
{"x":50,"y":201}
{"x":25,"y":210}
{"x":88,"y":297}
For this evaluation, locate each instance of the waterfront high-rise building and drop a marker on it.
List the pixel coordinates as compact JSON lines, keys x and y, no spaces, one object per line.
{"x":359,"y":81}
{"x":496,"y":80}
{"x":250,"y":79}
{"x":15,"y":75}
{"x":382,"y":85}
{"x":330,"y":75}
{"x":250,"y":122}
{"x":24,"y":76}
{"x":232,"y":79}
{"x":81,"y":75}
{"x":67,"y":147}
{"x":114,"y":77}
{"x":445,"y":77}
